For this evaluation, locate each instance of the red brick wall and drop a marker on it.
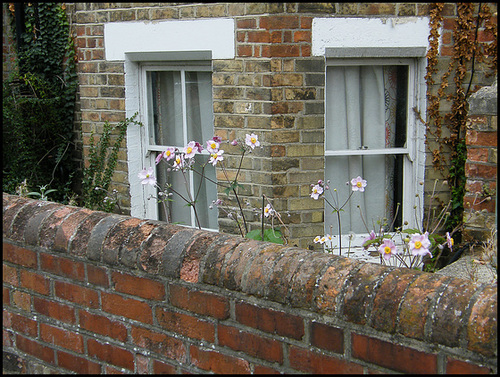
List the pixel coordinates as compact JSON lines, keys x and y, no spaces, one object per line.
{"x":90,"y":292}
{"x":481,"y":165}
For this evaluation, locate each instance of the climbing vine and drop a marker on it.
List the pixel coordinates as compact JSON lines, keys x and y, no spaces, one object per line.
{"x":448,"y":149}
{"x":39,"y":100}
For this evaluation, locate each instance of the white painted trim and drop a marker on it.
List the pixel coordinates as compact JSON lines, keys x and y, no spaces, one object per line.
{"x":369,"y":32}
{"x":135,"y":135}
{"x":216,"y":35}
{"x":414,"y":163}
{"x":168,"y":39}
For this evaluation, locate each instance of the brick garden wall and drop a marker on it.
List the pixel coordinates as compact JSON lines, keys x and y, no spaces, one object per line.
{"x":93,"y":292}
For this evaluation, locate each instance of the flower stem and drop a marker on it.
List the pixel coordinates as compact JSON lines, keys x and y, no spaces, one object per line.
{"x":234,"y":190}
{"x":262,"y":216}
{"x":191,"y":202}
{"x":340,"y":234}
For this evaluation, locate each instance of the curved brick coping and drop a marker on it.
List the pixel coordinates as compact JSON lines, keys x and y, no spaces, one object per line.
{"x":436,"y":309}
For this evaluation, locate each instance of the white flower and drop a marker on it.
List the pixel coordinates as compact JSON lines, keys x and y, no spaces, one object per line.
{"x":420,"y":244}
{"x":268,"y":210}
{"x":212,"y":146}
{"x":190,"y":149}
{"x":358,"y":184}
{"x":449,"y":240}
{"x":169,"y":153}
{"x":252,"y":141}
{"x":317,"y":190}
{"x":387,"y":249}
{"x":147,"y":177}
{"x":178,"y":162}
{"x":215,"y":157}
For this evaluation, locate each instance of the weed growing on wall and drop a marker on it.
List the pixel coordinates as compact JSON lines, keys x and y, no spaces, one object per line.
{"x":102,"y":163}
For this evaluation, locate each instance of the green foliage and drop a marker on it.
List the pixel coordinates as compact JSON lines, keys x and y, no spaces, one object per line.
{"x":457,"y":175}
{"x":45,"y":39}
{"x":38,"y":105}
{"x":270,"y":235}
{"x":232,"y":187}
{"x":102,"y":164}
{"x":42,"y":195}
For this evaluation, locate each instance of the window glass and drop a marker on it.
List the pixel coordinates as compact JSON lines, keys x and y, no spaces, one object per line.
{"x":366,"y":133}
{"x":180,"y":110}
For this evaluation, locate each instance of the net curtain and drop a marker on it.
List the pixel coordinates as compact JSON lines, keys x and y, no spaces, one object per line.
{"x":360,"y":115}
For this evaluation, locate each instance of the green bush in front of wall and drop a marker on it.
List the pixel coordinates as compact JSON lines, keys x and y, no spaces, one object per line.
{"x":38,"y":105}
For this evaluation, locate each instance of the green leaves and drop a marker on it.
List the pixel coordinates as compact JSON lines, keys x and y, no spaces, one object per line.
{"x":38,"y":105}
{"x":102,"y":163}
{"x":270,"y":235}
{"x":232,"y":187}
{"x":410,"y":231}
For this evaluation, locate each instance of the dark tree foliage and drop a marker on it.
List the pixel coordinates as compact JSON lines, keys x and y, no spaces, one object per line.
{"x":38,"y":103}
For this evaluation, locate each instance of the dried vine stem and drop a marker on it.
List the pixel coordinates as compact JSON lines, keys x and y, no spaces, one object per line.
{"x":449,"y":148}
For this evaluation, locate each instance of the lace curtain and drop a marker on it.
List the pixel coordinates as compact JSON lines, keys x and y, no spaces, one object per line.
{"x":361,"y":114}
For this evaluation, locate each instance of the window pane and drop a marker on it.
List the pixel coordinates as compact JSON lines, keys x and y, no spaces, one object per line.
{"x":383,"y":174}
{"x":366,"y":107}
{"x":199,"y":106}
{"x":177,"y":208}
{"x":205,"y":190}
{"x":166,"y":108}
{"x":206,"y":194}
{"x":181,"y":114}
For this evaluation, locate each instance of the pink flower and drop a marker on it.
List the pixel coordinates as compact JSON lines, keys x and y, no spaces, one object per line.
{"x":217,"y":139}
{"x":190,"y":149}
{"x":419,"y":244}
{"x":147,"y":177}
{"x":387,"y":249}
{"x":358,"y":184}
{"x":252,"y":141}
{"x":212,"y":146}
{"x":159,"y":157}
{"x":317,"y":190}
{"x":215,"y":157}
{"x":198,"y":146}
{"x":449,"y":241}
{"x":169,"y":153}
{"x":234,"y":142}
{"x":371,"y":236}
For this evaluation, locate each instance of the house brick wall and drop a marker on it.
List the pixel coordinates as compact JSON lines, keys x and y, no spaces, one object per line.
{"x":480,"y":218}
{"x":273,"y":87}
{"x":93,"y":292}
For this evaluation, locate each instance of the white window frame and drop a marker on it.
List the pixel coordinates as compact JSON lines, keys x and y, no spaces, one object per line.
{"x":150,"y":148}
{"x":414,"y":151}
{"x":139,"y":148}
{"x":133,"y":42}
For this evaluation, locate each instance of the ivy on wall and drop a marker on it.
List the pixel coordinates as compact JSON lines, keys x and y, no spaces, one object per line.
{"x":39,"y":101}
{"x":449,"y":149}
